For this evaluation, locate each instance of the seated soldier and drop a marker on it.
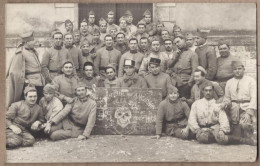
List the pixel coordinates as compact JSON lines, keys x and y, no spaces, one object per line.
{"x":131,"y":79}
{"x":174,"y":113}
{"x":111,"y":80}
{"x":200,"y":80}
{"x":65,"y":84}
{"x":21,"y":117}
{"x":77,"y":118}
{"x":158,"y":79}
{"x":207,"y":121}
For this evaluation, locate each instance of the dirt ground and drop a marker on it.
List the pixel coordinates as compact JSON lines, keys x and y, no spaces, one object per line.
{"x":116,"y":148}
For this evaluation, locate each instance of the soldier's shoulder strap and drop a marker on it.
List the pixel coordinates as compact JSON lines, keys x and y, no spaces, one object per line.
{"x":19,"y":49}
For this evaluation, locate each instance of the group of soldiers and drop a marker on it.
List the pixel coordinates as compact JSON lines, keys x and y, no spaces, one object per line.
{"x":203,"y":97}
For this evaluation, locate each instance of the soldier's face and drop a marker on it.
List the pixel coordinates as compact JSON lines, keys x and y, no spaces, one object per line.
{"x":96,"y":36}
{"x":84,"y":27}
{"x":122,"y":24}
{"x":155,"y":69}
{"x":113,"y":32}
{"x":144,"y":44}
{"x":238,"y":71}
{"x":120,"y":38}
{"x":109,"y":41}
{"x":147,"y":18}
{"x":141,"y":29}
{"x":159,"y":27}
{"x":223,"y":50}
{"x":173,"y":96}
{"x":208,"y":92}
{"x":103,"y":28}
{"x":48,"y":96}
{"x":76,"y":37}
{"x":68,"y":69}
{"x":165,"y":34}
{"x":30,"y":44}
{"x":68,"y":40}
{"x":85,"y":48}
{"x":81,"y":92}
{"x":91,"y":19}
{"x":189,"y":42}
{"x":129,"y":70}
{"x":31,"y":97}
{"x":198,"y":77}
{"x":69,"y":27}
{"x":88,"y":71}
{"x":180,"y":43}
{"x":110,"y":19}
{"x":110,"y":74}
{"x":168,"y":45}
{"x":133,"y":45}
{"x":155,"y":46}
{"x":176,"y":31}
{"x":57,"y":39}
{"x":129,"y":19}
{"x":199,"y":41}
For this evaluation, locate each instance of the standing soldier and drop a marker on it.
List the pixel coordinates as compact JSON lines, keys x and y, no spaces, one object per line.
{"x":183,"y":65}
{"x":176,"y":30}
{"x":158,"y":79}
{"x":106,"y":55}
{"x":124,"y":28}
{"x":159,"y":28}
{"x":150,"y":26}
{"x":165,"y":34}
{"x":129,"y":21}
{"x":96,"y":42}
{"x":141,"y":30}
{"x":88,"y":55}
{"x":131,"y":79}
{"x":76,"y":38}
{"x":91,"y":22}
{"x":68,"y":26}
{"x":133,"y":54}
{"x":224,"y":64}
{"x":206,"y":54}
{"x":54,"y":57}
{"x":190,"y":41}
{"x":121,"y":43}
{"x":144,"y":46}
{"x":84,"y":34}
{"x":111,"y":78}
{"x":110,"y":20}
{"x":112,"y":30}
{"x":24,"y":69}
{"x":103,"y":28}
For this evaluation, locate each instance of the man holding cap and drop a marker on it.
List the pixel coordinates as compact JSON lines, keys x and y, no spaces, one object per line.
{"x":131,"y":79}
{"x":133,"y":54}
{"x":21,"y":117}
{"x":158,"y":79}
{"x":111,"y":78}
{"x":206,"y":54}
{"x":174,"y":114}
{"x":53,"y":57}
{"x":24,"y":69}
{"x":240,"y":102}
{"x":91,"y":22}
{"x":77,"y":118}
{"x":129,"y":22}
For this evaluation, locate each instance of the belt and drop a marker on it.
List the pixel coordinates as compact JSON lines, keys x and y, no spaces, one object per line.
{"x":175,"y":121}
{"x":76,"y":123}
{"x":53,"y":71}
{"x":207,"y":125}
{"x":240,"y":101}
{"x":31,"y":73}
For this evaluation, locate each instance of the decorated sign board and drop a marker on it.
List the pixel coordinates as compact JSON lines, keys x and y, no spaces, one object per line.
{"x":126,"y":111}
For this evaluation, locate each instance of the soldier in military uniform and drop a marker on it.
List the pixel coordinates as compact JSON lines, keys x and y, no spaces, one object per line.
{"x":54,"y":57}
{"x":103,"y":28}
{"x":158,"y":79}
{"x":121,"y":43}
{"x":169,"y":48}
{"x":131,"y":78}
{"x":96,"y":42}
{"x":141,"y":26}
{"x":129,"y":21}
{"x":84,"y":34}
{"x":190,"y":41}
{"x":110,"y":21}
{"x":111,"y":78}
{"x":88,"y":55}
{"x":25,"y":68}
{"x":91,"y":22}
{"x":176,"y":30}
{"x":76,"y":38}
{"x":124,"y":28}
{"x":68,"y":26}
{"x":150,"y":26}
{"x":144,"y":46}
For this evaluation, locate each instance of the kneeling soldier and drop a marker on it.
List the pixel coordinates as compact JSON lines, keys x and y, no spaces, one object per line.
{"x":81,"y":117}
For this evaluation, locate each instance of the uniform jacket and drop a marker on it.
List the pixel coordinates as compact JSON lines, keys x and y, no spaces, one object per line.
{"x":123,"y":48}
{"x":224,"y":68}
{"x":110,"y":84}
{"x":75,"y":54}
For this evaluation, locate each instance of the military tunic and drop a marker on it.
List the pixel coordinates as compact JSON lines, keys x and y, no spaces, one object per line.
{"x":91,"y":28}
{"x":75,"y":54}
{"x":123,"y":48}
{"x":50,"y":109}
{"x":110,"y":83}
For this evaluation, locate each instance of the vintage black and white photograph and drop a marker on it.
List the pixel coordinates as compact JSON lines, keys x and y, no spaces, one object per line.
{"x":131,"y":82}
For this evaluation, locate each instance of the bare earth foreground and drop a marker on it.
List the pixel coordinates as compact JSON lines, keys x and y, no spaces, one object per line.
{"x":116,"y":148}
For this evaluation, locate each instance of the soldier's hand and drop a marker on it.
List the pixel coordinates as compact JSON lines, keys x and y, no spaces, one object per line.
{"x":221,"y":135}
{"x":15,"y":129}
{"x":183,"y":99}
{"x":246,"y":119}
{"x":81,"y":137}
{"x":185,"y":132}
{"x":156,"y":137}
{"x":47,"y":128}
{"x":35,"y":125}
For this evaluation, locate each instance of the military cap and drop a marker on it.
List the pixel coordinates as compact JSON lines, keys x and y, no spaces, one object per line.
{"x":91,"y":12}
{"x":102,"y":21}
{"x":155,"y":61}
{"x":159,"y":22}
{"x":155,"y":38}
{"x":165,"y":29}
{"x":223,"y":42}
{"x":68,"y":22}
{"x":88,"y":64}
{"x":110,"y":13}
{"x":84,"y":20}
{"x":29,"y":88}
{"x":202,"y":34}
{"x":120,"y":32}
{"x":133,"y":38}
{"x":128,"y":13}
{"x":122,"y":18}
{"x":236,"y":64}
{"x":141,"y":22}
{"x":56,"y":31}
{"x":206,"y":84}
{"x":27,"y":36}
{"x":112,"y":27}
{"x":189,"y":36}
{"x":200,"y":68}
{"x":80,"y":84}
{"x":129,"y":62}
{"x":49,"y":88}
{"x":175,"y":27}
{"x":179,"y":36}
{"x":66,"y":61}
{"x":84,"y":42}
{"x":147,"y":12}
{"x":111,"y":66}
{"x":76,"y":31}
{"x":168,"y":39}
{"x":172,"y":89}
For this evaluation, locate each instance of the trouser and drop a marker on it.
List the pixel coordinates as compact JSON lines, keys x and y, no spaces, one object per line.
{"x":39,"y":92}
{"x":184,"y":91}
{"x":41,"y":134}
{"x":15,"y":140}
{"x":68,"y":130}
{"x":174,"y":130}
